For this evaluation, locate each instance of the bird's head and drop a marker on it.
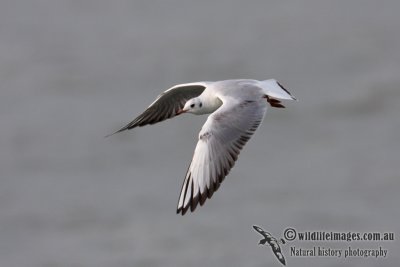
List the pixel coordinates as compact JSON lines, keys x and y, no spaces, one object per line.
{"x":194,"y":105}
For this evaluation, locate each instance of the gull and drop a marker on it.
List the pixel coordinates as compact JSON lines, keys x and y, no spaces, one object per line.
{"x":273,"y":242}
{"x":236,"y":108}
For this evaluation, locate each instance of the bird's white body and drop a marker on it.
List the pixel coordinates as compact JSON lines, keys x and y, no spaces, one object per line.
{"x":237,"y":108}
{"x":235,"y":90}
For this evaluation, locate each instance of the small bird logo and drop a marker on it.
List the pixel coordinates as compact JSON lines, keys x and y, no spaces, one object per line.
{"x":272,"y":242}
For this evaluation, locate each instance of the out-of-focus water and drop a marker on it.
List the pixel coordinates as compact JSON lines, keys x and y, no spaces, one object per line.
{"x":73,"y":71}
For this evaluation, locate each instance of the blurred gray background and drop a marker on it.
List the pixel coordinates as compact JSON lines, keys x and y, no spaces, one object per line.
{"x":73,"y":71}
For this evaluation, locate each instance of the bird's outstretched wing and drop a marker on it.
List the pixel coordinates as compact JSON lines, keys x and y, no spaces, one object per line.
{"x":273,"y":242}
{"x":276,"y":249}
{"x":166,"y":105}
{"x":222,"y":137}
{"x":262,"y":232}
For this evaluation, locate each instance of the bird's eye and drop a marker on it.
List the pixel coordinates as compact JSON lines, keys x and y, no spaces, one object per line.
{"x":192,"y":105}
{"x":201,"y":104}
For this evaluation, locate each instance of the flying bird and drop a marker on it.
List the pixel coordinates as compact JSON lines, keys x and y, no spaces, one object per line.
{"x":236,"y":108}
{"x":273,"y":242}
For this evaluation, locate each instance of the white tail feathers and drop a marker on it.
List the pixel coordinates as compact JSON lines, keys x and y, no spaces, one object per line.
{"x":274,"y":89}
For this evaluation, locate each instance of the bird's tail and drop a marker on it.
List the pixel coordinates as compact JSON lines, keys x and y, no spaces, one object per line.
{"x":274,"y":89}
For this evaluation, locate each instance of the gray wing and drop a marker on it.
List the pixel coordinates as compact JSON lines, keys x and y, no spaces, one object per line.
{"x":166,"y":105}
{"x":262,"y":232}
{"x":276,"y":249}
{"x":222,"y":137}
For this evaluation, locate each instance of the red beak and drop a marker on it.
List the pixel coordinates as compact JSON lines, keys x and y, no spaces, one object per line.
{"x":180,"y":111}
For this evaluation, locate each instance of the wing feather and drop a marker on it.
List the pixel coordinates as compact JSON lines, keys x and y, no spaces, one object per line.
{"x":259,"y":230}
{"x":166,"y":105}
{"x":221,"y":139}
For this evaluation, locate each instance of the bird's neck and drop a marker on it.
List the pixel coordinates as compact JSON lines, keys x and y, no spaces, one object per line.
{"x":210,"y":104}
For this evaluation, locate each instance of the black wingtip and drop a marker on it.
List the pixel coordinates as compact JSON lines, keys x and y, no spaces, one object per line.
{"x":108,"y":135}
{"x":182,"y":209}
{"x":126,"y":127}
{"x":258,"y":228}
